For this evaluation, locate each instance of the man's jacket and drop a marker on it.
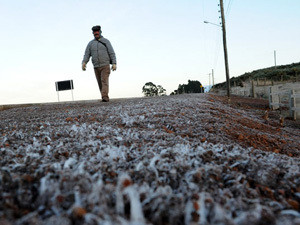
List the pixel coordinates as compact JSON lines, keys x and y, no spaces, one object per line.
{"x":101,"y":51}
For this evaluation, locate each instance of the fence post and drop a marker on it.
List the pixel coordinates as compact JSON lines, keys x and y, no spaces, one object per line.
{"x":253,"y":90}
{"x":273,"y":98}
{"x":270,"y":99}
{"x":293,"y":105}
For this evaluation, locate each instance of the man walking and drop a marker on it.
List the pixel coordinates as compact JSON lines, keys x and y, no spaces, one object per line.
{"x":103,"y":55}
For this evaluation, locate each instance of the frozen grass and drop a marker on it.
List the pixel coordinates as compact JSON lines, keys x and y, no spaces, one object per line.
{"x":141,"y":161}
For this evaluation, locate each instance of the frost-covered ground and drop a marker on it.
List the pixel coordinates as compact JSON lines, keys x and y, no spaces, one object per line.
{"x":167,"y":160}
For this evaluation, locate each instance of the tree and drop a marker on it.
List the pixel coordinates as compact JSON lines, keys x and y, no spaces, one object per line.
{"x":161,"y":90}
{"x":175,"y":92}
{"x":193,"y":86}
{"x":182,"y":88}
{"x":150,"y":89}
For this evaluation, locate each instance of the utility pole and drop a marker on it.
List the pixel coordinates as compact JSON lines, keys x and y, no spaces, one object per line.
{"x":209,"y":82}
{"x":225,"y":49}
{"x":212,"y":75}
{"x":275,"y":58}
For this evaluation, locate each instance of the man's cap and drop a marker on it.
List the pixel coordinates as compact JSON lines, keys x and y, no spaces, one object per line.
{"x":96,"y":28}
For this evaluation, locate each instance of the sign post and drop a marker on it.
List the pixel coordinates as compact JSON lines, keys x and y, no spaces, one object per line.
{"x":64,"y":86}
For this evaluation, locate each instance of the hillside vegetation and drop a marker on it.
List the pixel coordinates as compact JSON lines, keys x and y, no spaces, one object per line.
{"x":290,"y":72}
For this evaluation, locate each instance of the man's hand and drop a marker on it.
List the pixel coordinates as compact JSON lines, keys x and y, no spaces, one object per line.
{"x":83,"y":66}
{"x":114,"y":67}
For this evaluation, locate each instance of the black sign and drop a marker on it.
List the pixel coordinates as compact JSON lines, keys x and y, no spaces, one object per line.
{"x":64,"y":85}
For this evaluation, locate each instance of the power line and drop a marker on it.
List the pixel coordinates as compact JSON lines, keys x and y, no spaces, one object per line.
{"x":217,"y":49}
{"x":228,"y":7}
{"x":218,"y":41}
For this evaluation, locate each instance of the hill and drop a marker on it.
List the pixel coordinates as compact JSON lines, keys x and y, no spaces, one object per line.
{"x":289,"y":72}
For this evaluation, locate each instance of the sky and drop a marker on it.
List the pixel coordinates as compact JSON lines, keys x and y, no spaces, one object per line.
{"x":161,"y":41}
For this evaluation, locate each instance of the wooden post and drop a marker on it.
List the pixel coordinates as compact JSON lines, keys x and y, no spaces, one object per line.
{"x":225,"y":49}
